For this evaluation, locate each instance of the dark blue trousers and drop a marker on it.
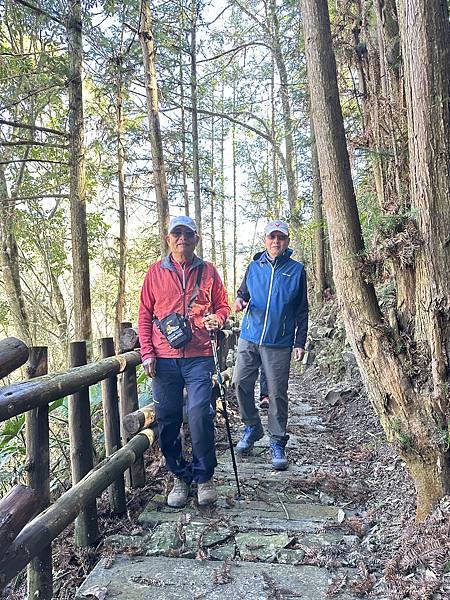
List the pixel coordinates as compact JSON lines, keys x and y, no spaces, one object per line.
{"x":195,"y":374}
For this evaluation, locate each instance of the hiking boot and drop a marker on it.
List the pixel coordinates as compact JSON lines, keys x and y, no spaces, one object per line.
{"x":264,"y":402}
{"x":206,"y":493}
{"x":252,"y":433}
{"x":279,"y":460}
{"x":179,"y":494}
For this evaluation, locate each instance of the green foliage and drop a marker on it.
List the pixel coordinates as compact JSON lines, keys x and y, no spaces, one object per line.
{"x":404,"y":439}
{"x":444,"y":436}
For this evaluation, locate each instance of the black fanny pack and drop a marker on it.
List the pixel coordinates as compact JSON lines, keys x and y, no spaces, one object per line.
{"x":176,"y":328}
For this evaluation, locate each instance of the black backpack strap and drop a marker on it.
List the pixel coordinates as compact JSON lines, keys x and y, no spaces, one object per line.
{"x":196,"y":288}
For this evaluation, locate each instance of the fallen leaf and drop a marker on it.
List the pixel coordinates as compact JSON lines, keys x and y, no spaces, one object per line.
{"x":96,"y":592}
{"x":340,"y":516}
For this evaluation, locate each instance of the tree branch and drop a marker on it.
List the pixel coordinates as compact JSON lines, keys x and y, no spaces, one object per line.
{"x":33,"y":143}
{"x":253,"y":16}
{"x":258,"y":132}
{"x":33,"y":127}
{"x":26,"y":160}
{"x":236,"y":49}
{"x":40,"y":11}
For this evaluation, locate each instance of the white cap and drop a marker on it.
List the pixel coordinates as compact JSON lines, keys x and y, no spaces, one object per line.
{"x":281,"y":226}
{"x":184,"y":221}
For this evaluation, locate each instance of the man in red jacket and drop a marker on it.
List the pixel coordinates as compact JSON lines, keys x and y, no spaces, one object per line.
{"x":183,"y":285}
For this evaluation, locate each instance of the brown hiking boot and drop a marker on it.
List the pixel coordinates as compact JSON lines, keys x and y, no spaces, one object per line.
{"x":207,"y":493}
{"x":179,"y":494}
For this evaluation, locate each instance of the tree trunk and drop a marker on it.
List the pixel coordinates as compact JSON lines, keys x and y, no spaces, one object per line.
{"x":319,"y":245}
{"x":9,"y":260}
{"x":408,"y":413}
{"x":233,"y":144}
{"x":183,"y":113}
{"x":223,"y":241}
{"x":213,"y":187}
{"x":276,"y":205}
{"x":195,"y":160}
{"x":120,"y":302}
{"x":291,"y":178}
{"x":80,"y":254}
{"x":426,"y":58}
{"x":151,"y":89}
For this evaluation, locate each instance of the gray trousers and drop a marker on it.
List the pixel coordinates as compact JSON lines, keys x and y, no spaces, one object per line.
{"x":276,"y":363}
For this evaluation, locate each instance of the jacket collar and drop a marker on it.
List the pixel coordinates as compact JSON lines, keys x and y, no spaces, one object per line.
{"x":263,"y":258}
{"x":167,"y":263}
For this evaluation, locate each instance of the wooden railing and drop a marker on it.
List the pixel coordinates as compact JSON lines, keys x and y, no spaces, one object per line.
{"x":128,"y":433}
{"x":29,"y":542}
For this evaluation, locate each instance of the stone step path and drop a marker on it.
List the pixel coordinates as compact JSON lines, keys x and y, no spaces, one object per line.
{"x":253,"y":547}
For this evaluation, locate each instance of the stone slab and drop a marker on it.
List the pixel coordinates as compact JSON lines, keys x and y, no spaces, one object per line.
{"x":252,"y":545}
{"x":161,"y":578}
{"x":277,"y":516}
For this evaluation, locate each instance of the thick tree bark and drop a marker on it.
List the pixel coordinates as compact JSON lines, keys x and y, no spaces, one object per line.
{"x":408,"y":413}
{"x":195,"y":159}
{"x":151,"y":88}
{"x":426,"y":57}
{"x":80,"y":254}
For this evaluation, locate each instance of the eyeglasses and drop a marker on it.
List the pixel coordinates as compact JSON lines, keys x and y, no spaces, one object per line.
{"x":187,"y":233}
{"x":277,"y":236}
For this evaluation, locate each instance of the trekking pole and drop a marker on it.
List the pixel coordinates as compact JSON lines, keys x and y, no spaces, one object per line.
{"x":224,"y":411}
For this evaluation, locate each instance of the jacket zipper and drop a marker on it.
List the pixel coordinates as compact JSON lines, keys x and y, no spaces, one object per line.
{"x":183,"y":285}
{"x":268,"y":303}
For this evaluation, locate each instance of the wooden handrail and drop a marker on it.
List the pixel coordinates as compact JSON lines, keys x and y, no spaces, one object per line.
{"x":18,"y":506}
{"x":20,"y":397}
{"x":13,"y":354}
{"x":43,"y":529}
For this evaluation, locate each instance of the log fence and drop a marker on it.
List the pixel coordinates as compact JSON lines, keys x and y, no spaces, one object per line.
{"x":28,"y":540}
{"x":129,"y":432}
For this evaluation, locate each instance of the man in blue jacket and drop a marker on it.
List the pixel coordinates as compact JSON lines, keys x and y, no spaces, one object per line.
{"x":276,"y":320}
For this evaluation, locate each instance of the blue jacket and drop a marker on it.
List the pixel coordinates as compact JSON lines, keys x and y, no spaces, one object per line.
{"x":277,"y":311}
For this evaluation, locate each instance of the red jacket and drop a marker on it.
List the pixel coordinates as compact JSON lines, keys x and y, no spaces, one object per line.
{"x":162,"y":293}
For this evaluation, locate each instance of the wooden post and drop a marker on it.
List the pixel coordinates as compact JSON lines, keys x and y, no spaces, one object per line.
{"x":139,"y":419}
{"x":49,"y":524}
{"x":112,"y":428}
{"x":81,"y":448}
{"x":13,"y":354}
{"x":16,"y":509}
{"x":128,"y":394}
{"x":40,"y":577}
